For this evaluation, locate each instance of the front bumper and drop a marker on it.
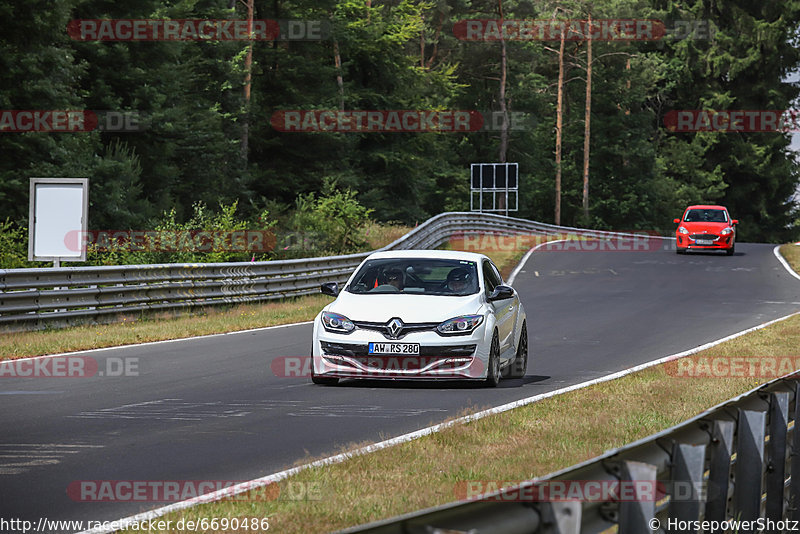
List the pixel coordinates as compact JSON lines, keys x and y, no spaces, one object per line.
{"x":688,"y":242}
{"x":440,"y":358}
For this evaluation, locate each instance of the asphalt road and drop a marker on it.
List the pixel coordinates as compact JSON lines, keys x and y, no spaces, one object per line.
{"x":213,"y":409}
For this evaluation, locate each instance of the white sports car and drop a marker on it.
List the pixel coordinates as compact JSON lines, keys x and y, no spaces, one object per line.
{"x":421,"y":314}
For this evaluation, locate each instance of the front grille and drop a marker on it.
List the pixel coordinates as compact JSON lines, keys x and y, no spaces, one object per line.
{"x":344,"y":349}
{"x":354,"y":350}
{"x":384,"y":329}
{"x":712,"y":237}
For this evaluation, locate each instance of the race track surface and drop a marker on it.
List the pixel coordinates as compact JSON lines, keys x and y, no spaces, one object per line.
{"x":213,"y":409}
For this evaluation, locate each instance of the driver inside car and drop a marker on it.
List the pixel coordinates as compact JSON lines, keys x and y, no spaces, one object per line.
{"x":457,"y":280}
{"x":394,"y":277}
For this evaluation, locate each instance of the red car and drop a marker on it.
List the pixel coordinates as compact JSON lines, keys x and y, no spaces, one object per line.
{"x":706,"y":228}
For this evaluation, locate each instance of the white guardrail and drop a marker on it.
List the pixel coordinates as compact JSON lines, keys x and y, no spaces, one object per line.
{"x":38,"y":298}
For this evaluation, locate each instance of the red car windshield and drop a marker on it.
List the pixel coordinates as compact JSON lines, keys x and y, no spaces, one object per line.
{"x":706,"y":215}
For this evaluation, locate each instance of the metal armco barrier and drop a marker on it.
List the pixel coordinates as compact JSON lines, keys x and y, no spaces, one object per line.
{"x":53,"y":297}
{"x":737,"y":462}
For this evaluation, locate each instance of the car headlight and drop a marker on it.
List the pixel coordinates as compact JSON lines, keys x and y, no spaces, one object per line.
{"x":458,"y":326}
{"x":333,"y":322}
{"x":726,"y":231}
{"x":683,"y":230}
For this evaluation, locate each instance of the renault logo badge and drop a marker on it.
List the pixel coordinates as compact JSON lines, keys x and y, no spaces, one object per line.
{"x":394,"y":327}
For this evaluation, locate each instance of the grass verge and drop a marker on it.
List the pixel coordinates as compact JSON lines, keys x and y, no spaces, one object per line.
{"x":519,"y":444}
{"x":791,"y":253}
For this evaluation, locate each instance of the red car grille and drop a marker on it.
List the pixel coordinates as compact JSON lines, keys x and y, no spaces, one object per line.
{"x":704,"y":236}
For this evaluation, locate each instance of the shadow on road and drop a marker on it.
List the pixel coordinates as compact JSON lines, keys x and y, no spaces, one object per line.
{"x":436,"y":384}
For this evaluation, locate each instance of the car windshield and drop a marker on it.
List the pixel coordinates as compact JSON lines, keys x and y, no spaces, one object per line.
{"x":706,"y":215}
{"x":418,"y":276}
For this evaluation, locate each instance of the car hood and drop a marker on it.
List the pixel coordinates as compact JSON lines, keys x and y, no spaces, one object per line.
{"x":699,"y":227}
{"x":409,"y":308}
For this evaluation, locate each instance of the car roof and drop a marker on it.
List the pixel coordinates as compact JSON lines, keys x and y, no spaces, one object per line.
{"x":707,"y":206}
{"x":433,"y":254}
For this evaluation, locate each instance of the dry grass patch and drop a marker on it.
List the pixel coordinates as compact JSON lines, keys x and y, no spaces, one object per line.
{"x":505,"y":251}
{"x":792,"y":254}
{"x":379,"y":235}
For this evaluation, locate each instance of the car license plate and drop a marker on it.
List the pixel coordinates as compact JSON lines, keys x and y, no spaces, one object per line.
{"x":704,"y":242}
{"x":394,"y":348}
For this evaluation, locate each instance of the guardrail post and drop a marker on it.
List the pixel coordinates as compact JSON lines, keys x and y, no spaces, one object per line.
{"x":794,"y":487}
{"x":688,"y":464}
{"x":719,"y":469}
{"x":634,"y":514}
{"x":748,"y":480}
{"x":776,"y":454}
{"x":561,"y":517}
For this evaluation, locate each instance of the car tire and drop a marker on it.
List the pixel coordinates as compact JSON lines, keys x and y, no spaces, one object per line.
{"x":520,"y":364}
{"x":493,"y":365}
{"x":731,"y":250}
{"x":680,"y":251}
{"x":322,"y":380}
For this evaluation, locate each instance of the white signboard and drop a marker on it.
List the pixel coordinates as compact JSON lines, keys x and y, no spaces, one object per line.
{"x":58,"y":218}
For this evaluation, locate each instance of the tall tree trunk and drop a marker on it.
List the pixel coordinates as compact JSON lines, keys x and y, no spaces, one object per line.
{"x":422,"y":44}
{"x":559,"y":124}
{"x":628,"y":81}
{"x":587,"y":124}
{"x":503,"y":109}
{"x":337,"y":60}
{"x":248,"y":68}
{"x":625,"y":159}
{"x":436,"y":36}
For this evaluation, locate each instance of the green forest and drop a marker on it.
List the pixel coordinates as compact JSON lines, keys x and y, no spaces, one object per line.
{"x":205,"y":144}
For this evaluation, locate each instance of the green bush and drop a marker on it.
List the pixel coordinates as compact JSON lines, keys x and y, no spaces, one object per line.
{"x":194,"y":241}
{"x":330,"y":223}
{"x":14,"y":246}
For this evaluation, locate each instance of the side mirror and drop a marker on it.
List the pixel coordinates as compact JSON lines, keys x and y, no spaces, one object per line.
{"x":676,"y":221}
{"x":735,"y":222}
{"x":501,"y":292}
{"x":330,"y":288}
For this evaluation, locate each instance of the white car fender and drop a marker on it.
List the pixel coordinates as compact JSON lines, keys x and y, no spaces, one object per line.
{"x":488,"y":329}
